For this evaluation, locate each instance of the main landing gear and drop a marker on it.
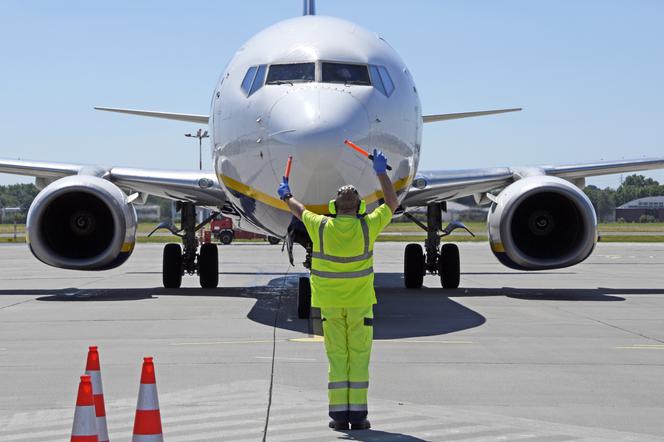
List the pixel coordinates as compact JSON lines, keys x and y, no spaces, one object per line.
{"x":443,"y":261}
{"x":297,"y":234}
{"x":189,"y":259}
{"x":304,"y":288}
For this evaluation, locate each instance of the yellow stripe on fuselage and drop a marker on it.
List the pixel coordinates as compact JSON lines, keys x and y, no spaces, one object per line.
{"x":278,"y":204}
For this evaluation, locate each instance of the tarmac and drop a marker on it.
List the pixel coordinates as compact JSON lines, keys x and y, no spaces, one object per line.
{"x":571,"y":354}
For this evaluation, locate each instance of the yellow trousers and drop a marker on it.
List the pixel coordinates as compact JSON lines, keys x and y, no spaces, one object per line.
{"x":348,"y":336}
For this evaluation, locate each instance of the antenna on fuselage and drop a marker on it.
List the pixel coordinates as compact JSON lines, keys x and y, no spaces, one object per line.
{"x":309,"y":7}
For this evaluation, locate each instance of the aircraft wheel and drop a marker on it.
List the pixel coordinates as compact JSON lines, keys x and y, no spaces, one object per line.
{"x":273,"y":240}
{"x":449,"y":268}
{"x":413,"y":266}
{"x":172,"y":266}
{"x":208,"y":266}
{"x":226,"y":237}
{"x":304,"y":298}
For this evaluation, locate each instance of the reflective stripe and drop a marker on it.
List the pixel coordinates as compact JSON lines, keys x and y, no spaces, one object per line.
{"x":366,"y":254}
{"x":341,"y":407}
{"x":85,"y":421}
{"x":365,"y":233}
{"x":147,"y":397}
{"x":340,"y":275}
{"x":147,"y":438}
{"x":95,"y":378}
{"x":358,"y":407}
{"x":358,"y":384}
{"x":341,"y":259}
{"x":335,"y":385}
{"x":102,"y":429}
{"x":321,"y":228}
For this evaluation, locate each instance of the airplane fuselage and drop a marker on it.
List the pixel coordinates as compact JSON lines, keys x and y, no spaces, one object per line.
{"x":301,"y":87}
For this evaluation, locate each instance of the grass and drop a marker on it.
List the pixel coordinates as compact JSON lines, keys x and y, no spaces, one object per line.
{"x":414,"y":233}
{"x":632,"y":238}
{"x":382,"y":238}
{"x":9,"y":228}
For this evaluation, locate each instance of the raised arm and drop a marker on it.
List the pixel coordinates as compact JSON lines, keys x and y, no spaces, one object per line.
{"x":296,"y":207}
{"x":380,"y":166}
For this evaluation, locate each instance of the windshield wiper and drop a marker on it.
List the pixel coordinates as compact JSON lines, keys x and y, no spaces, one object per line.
{"x":360,"y":82}
{"x":281,"y":82}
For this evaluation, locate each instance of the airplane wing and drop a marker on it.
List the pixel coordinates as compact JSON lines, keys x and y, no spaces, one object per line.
{"x":201,"y":188}
{"x":435,"y":186}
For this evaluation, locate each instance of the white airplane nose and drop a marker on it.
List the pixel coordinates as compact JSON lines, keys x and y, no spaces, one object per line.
{"x":313,"y":124}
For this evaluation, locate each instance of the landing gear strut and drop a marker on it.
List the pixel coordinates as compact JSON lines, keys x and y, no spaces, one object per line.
{"x":443,"y":261}
{"x":177,"y":261}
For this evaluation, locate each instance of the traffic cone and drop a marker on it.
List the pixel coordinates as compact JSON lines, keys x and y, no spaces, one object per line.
{"x":147,"y":424}
{"x":92,"y":368}
{"x":85,"y":423}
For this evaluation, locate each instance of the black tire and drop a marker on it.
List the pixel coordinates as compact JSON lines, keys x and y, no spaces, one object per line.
{"x":171,"y":271}
{"x":273,"y":240}
{"x":304,"y":298}
{"x":449,"y":267}
{"x":226,"y":237}
{"x":413,"y":266}
{"x":208,"y":266}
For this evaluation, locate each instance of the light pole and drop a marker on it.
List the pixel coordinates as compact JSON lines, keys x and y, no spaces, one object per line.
{"x":200,"y":135}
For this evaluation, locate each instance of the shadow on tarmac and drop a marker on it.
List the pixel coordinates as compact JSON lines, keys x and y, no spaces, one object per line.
{"x":400,"y":312}
{"x":378,"y":436}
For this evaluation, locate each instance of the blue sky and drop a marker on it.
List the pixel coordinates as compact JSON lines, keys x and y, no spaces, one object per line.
{"x":589,"y":75}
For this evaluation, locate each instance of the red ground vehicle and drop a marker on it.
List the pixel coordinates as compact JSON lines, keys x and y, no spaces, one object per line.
{"x":222,"y":228}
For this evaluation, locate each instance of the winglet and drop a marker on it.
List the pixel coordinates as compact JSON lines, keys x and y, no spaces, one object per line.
{"x":190,"y":118}
{"x":445,"y":117}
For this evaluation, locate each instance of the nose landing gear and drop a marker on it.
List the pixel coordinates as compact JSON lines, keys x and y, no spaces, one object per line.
{"x":180,"y":260}
{"x":443,"y":261}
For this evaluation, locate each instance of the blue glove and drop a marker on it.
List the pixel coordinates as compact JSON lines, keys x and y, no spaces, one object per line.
{"x":283,"y":190}
{"x":379,"y":162}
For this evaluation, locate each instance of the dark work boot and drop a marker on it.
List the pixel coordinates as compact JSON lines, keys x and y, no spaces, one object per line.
{"x":338,"y":425}
{"x":363,"y":425}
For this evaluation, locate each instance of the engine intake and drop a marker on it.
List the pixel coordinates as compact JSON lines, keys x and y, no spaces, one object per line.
{"x":82,"y":223}
{"x":542,"y":222}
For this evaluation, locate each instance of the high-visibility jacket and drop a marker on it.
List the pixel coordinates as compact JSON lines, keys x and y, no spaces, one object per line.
{"x":342,"y":261}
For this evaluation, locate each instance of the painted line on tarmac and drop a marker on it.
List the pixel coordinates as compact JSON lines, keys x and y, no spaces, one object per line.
{"x":422,"y":341}
{"x":258,"y":341}
{"x":287,"y":359}
{"x":314,"y":338}
{"x":643,"y":347}
{"x":388,"y":341}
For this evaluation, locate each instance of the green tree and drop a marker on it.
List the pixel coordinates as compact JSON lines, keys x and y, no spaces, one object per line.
{"x":637,"y":186}
{"x":18,"y":195}
{"x":603,"y":201}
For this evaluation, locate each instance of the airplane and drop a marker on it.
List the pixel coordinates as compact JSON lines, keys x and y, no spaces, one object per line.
{"x":300,"y":88}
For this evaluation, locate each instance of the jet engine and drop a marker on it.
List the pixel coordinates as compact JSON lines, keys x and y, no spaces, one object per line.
{"x":81,"y":222}
{"x":542,"y":222}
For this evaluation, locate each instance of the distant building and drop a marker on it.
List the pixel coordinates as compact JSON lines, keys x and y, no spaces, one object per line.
{"x":147,"y":213}
{"x":633,"y":210}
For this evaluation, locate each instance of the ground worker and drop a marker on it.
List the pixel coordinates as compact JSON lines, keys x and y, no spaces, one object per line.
{"x":342,"y":287}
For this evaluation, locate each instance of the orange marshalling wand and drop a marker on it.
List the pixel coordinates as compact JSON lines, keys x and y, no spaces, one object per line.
{"x":361,"y":151}
{"x":289,"y":163}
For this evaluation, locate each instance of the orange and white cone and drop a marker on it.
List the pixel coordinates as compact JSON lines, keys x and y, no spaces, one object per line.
{"x":85,"y":421}
{"x":93,"y":369}
{"x":147,"y":424}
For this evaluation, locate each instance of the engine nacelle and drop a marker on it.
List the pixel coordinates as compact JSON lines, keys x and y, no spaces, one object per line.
{"x":81,"y":222}
{"x":542,"y":222}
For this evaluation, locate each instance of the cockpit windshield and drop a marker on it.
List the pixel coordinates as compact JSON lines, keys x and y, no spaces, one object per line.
{"x":346,"y":74}
{"x":291,"y":73}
